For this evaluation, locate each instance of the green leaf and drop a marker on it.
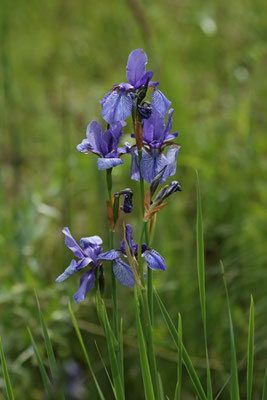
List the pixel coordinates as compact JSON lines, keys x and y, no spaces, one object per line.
{"x":48,"y":345}
{"x":264,"y":392}
{"x":147,"y":381}
{"x":121,"y":350}
{"x":234,"y":372}
{"x":112,"y":344}
{"x":8,"y":384}
{"x":45,"y":379}
{"x":201,"y":283}
{"x":161,"y":390}
{"x":179,"y":365}
{"x":250,"y":349}
{"x":78,"y":333}
{"x":105,"y":368}
{"x":186,"y":359}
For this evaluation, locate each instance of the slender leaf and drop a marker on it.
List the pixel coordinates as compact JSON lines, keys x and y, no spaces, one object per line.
{"x":45,"y":378}
{"x":161,"y":390}
{"x":250,"y":349}
{"x":105,"y":368}
{"x":234,"y":372}
{"x":121,"y":351}
{"x":78,"y":333}
{"x":201,"y":283}
{"x":186,"y":359}
{"x":222,"y":388}
{"x":48,"y":345}
{"x":264,"y":391}
{"x":178,"y":388}
{"x":8,"y":384}
{"x":112,"y":345}
{"x":149,"y":392}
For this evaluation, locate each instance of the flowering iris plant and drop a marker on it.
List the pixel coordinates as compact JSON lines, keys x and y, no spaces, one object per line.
{"x":150,"y":163}
{"x":118,"y":103}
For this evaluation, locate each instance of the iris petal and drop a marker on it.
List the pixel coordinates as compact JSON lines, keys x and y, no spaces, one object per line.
{"x":117,"y":106}
{"x":71,"y":269}
{"x":123,"y":273}
{"x":160,"y":102}
{"x":154,"y":260}
{"x":94,"y":136}
{"x":151,"y":164}
{"x":110,"y":255}
{"x":171,"y":156}
{"x":91,"y":241}
{"x":72,"y":245}
{"x":106,"y":163}
{"x":87,"y":282}
{"x":136,"y":66}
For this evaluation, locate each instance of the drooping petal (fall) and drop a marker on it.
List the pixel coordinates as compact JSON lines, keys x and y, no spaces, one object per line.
{"x":117,"y":106}
{"x":160,"y":102}
{"x":107,"y":163}
{"x":123,"y":272}
{"x":152,"y":163}
{"x":171,"y":156}
{"x":87,"y":282}
{"x":154,"y":260}
{"x":71,"y":269}
{"x":110,"y":255}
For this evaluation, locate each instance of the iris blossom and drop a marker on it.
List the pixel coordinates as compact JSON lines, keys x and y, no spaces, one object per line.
{"x":89,"y":253}
{"x":153,"y":259}
{"x":118,"y":103}
{"x":155,"y":138}
{"x":104,"y":145}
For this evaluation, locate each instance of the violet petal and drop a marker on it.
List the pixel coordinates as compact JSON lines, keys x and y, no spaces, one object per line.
{"x":87,"y":282}
{"x":154,"y":260}
{"x":123,"y":272}
{"x":136,"y":66}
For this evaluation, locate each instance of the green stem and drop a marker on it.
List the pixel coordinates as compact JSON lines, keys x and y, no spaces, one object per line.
{"x":115,"y":315}
{"x":147,"y":295}
{"x":145,"y":229}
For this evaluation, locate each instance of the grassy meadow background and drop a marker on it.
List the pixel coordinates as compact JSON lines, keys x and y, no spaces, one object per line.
{"x":57,"y":59}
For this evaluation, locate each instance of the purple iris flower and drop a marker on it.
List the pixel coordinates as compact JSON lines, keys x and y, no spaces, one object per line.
{"x":89,"y":253}
{"x":104,"y":145}
{"x":153,"y":259}
{"x":155,"y":138}
{"x":118,"y":103}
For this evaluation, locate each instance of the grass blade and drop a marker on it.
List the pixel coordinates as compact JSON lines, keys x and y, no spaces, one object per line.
{"x":264,"y":392}
{"x":78,"y":333}
{"x":201,"y":283}
{"x":149,"y":392}
{"x":250,"y":349}
{"x":186,"y":359}
{"x":121,"y":351}
{"x":111,"y":343}
{"x":234,"y":372}
{"x":105,"y":368}
{"x":179,"y":365}
{"x":48,"y":344}
{"x":45,"y":379}
{"x":8,"y":384}
{"x":161,"y":390}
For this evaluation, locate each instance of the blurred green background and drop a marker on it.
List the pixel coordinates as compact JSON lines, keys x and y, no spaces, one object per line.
{"x":58,"y":58}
